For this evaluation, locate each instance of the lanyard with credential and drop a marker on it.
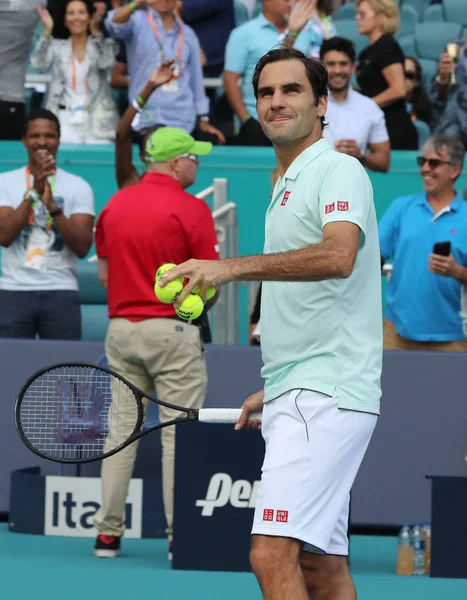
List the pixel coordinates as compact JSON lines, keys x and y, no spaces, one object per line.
{"x":35,"y":204}
{"x":178,"y":56}
{"x":73,"y":75}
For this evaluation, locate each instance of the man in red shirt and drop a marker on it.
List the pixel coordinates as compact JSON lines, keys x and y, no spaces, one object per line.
{"x":142,"y":227}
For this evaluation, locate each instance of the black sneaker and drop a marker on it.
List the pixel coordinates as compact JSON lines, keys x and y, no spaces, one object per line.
{"x":107,"y":546}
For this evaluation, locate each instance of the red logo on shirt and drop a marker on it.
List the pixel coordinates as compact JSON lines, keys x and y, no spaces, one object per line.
{"x":453,"y":231}
{"x":268,"y":514}
{"x":342,"y":206}
{"x":329,"y":208}
{"x":285,"y":198}
{"x":282,"y":516}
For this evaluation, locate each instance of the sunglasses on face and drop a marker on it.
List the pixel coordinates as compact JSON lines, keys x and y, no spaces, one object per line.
{"x":411,"y":76}
{"x":433,"y":163}
{"x":192,"y":157}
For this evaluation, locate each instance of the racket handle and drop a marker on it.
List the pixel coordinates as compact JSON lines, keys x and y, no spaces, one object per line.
{"x":223,"y":415}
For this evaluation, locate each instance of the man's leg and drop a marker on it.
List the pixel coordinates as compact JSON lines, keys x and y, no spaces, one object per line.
{"x":327,"y":577}
{"x":122,"y":355}
{"x":175,"y":358}
{"x":60,"y":315}
{"x":19,"y":312}
{"x":276,"y":564}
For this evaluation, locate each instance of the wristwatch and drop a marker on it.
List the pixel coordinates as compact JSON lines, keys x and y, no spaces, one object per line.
{"x":31,"y":196}
{"x":204,"y":118}
{"x":56,"y":212}
{"x":293,"y":35}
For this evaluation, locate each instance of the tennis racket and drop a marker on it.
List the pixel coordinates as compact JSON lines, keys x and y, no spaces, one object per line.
{"x":78,"y":413}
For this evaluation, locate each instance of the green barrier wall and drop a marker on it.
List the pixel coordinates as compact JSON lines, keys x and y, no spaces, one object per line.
{"x":247,"y":170}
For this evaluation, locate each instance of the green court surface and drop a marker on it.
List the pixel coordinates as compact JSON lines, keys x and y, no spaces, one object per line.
{"x":54,"y":568}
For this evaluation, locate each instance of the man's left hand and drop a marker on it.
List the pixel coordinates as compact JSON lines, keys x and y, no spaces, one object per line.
{"x":207,"y":128}
{"x":205,"y":273}
{"x":446,"y":266}
{"x":349,"y":147}
{"x":47,"y":198}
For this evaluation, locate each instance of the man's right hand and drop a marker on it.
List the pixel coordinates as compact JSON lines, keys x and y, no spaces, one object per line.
{"x":44,"y":166}
{"x":253,"y":404}
{"x":301,"y":14}
{"x":446,"y":67}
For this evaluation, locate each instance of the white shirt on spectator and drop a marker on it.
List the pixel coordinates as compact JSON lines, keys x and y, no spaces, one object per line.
{"x":81,"y":72}
{"x":358,"y":118}
{"x":74,"y":196}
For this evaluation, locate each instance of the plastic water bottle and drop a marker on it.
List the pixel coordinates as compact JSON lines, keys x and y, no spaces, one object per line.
{"x":405,"y":552}
{"x":418,"y":551}
{"x":426,"y":537}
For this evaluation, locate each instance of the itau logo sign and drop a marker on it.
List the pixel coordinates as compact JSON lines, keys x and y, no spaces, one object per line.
{"x":72,"y":502}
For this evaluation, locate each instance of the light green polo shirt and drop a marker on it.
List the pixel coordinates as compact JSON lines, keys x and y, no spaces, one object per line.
{"x":324,"y":336}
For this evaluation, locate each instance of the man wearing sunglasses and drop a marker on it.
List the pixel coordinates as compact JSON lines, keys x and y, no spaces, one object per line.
{"x":426,"y":235}
{"x":142,"y":227}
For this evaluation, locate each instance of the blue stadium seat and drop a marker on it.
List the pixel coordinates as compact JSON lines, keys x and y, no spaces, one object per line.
{"x":419,"y":5}
{"x":93,"y":299}
{"x":431,"y":38}
{"x":423,"y":130}
{"x":409,"y":18}
{"x":407,"y":43}
{"x":241,"y":13}
{"x":435,"y":13}
{"x":456,"y":11}
{"x":347,"y":28}
{"x":346,"y":11}
{"x":429,"y":70}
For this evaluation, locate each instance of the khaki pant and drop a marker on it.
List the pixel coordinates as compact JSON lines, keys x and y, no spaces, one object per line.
{"x":393,"y":341}
{"x":165,"y":355}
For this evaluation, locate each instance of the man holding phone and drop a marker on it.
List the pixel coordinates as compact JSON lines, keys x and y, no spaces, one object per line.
{"x":426,"y":235}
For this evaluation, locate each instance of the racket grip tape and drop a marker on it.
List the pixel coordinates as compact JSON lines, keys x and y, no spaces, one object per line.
{"x":223,"y":415}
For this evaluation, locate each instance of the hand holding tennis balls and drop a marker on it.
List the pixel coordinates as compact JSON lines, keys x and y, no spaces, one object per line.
{"x":209,"y":294}
{"x":170,"y":292}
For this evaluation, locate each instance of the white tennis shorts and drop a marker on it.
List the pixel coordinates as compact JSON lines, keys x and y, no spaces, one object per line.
{"x":313,"y":453}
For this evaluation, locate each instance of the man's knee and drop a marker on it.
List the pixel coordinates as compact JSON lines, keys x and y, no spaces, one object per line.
{"x":269,"y":553}
{"x":323,"y":571}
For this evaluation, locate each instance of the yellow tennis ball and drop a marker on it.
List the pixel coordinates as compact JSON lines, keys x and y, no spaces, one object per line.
{"x":170,"y":292}
{"x":163,"y":269}
{"x":209,"y":294}
{"x":191,"y":308}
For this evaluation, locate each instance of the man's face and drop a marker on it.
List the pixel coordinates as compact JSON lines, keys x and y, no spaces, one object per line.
{"x":340,"y":70}
{"x":286,"y":103}
{"x":279,"y":8}
{"x":185,"y":168}
{"x":164,"y":7}
{"x":41,"y":135}
{"x":440,"y":176}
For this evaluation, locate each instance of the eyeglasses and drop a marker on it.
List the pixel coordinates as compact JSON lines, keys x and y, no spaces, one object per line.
{"x":433,"y":163}
{"x":192,"y":157}
{"x":410,"y":75}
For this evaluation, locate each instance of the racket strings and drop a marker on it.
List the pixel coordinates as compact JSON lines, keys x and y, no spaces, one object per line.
{"x":78,"y":413}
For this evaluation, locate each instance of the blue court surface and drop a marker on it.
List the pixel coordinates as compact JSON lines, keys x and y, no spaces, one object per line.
{"x":57,"y":568}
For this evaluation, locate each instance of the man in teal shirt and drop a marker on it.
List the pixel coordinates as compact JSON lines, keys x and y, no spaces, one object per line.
{"x":321,"y":337}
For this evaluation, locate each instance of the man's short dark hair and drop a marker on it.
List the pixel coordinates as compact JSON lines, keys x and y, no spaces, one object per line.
{"x":315,"y":71}
{"x":40,"y":113}
{"x":338,"y":44}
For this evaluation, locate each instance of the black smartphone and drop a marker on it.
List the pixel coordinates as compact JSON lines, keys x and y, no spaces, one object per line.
{"x":442,"y":248}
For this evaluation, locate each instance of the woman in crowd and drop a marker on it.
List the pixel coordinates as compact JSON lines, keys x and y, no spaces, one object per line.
{"x":380,"y":72}
{"x":418,"y":103}
{"x":79,"y":93}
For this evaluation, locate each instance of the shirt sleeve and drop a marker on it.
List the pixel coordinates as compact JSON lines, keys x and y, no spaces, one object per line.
{"x":202,"y":237}
{"x":99,"y":236}
{"x":236,"y":52}
{"x":388,"y":229}
{"x":120,"y":31}
{"x":83,"y":198}
{"x":390,"y":54}
{"x":196,"y":76}
{"x":346,"y":194}
{"x":378,"y":130}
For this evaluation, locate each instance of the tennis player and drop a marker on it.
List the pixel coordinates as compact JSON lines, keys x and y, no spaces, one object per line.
{"x":321,"y":337}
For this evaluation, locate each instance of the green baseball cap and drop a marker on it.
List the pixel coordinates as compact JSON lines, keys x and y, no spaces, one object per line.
{"x":170,"y":142}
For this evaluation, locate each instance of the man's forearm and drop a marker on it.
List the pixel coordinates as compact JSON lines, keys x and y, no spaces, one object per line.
{"x":76,"y":237}
{"x":235,"y":97}
{"x":123,"y":14}
{"x":461,"y":275}
{"x":11,"y":226}
{"x":313,"y":263}
{"x":376,"y":161}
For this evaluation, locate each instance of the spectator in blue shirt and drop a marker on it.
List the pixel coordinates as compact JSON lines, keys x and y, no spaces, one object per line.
{"x":246,"y":45}
{"x":423,"y":297}
{"x":152,"y":34}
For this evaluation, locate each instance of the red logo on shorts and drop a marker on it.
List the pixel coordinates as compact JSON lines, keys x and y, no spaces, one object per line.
{"x":268,"y":514}
{"x":342,"y":206}
{"x":282,"y":516}
{"x":329,"y":208}
{"x":285,"y":198}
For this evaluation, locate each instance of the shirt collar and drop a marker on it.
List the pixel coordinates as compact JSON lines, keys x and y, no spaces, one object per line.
{"x":160,"y":24}
{"x":332,"y":100}
{"x":160,"y":179}
{"x":456,"y":205}
{"x":263,"y":22}
{"x":305,"y":158}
